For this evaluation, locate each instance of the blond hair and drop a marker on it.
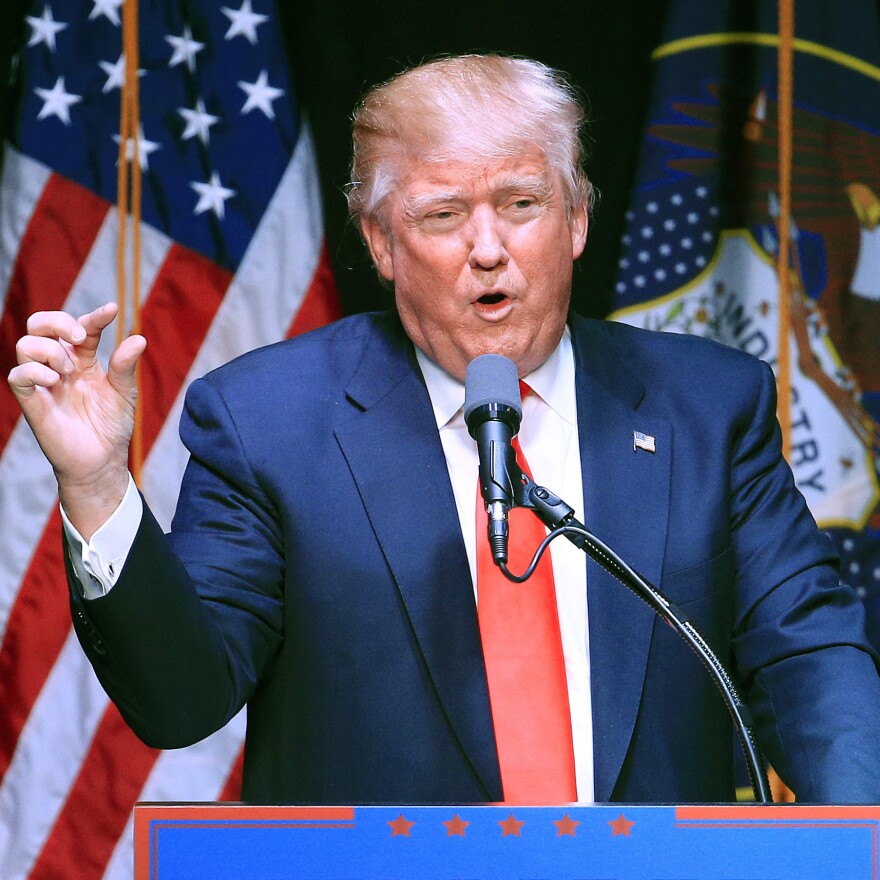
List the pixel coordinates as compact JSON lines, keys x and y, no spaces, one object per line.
{"x":466,"y":107}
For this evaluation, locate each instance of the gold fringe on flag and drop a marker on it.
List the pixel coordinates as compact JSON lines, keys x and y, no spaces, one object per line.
{"x":785,"y":67}
{"x":128,"y":205}
{"x":781,"y":793}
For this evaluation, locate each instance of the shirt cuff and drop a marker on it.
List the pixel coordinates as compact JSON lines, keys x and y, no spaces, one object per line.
{"x":97,"y":563}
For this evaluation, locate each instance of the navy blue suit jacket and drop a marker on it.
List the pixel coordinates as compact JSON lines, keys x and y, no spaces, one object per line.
{"x":316,"y":571}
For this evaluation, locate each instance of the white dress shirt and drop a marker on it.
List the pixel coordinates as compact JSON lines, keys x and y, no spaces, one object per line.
{"x":549,"y":440}
{"x":98,"y":562}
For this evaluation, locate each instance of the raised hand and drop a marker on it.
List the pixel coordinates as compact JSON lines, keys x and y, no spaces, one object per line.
{"x":81,"y":415}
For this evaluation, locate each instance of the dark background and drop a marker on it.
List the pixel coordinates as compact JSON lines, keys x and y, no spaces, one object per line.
{"x":338,"y":48}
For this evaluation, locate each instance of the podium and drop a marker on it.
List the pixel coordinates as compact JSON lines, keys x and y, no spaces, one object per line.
{"x":607,"y":842}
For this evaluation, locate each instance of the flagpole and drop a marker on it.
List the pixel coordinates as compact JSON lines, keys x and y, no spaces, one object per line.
{"x":122,"y":195}
{"x":785,"y":66}
{"x":785,"y":89}
{"x":129,"y":204}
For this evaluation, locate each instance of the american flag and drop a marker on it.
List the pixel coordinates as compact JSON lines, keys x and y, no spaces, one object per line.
{"x":232,"y":257}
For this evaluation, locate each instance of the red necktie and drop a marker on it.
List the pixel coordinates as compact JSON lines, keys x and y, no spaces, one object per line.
{"x":522,"y":647}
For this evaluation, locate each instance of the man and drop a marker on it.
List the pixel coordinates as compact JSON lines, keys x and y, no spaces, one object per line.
{"x":323,"y":561}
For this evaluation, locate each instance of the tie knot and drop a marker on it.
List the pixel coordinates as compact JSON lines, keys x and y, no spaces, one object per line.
{"x":524,"y":390}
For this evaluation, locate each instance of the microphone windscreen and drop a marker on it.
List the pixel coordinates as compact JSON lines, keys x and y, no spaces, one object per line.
{"x":491,"y":379}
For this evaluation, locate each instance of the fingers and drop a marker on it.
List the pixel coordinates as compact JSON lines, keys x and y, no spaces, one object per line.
{"x":56,"y":325}
{"x":85,"y":331}
{"x":51,"y":336}
{"x":57,"y":344}
{"x":80,"y":413}
{"x":41,"y":363}
{"x":26,"y":378}
{"x":95,"y":322}
{"x":44,"y":355}
{"x":51,"y":340}
{"x":123,"y":362}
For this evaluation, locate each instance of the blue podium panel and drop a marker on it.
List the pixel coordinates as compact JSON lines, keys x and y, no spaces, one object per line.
{"x":235,"y":842}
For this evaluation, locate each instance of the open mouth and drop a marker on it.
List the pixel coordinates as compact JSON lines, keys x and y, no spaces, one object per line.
{"x":492,"y":299}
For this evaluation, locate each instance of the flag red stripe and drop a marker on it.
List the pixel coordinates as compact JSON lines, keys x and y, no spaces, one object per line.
{"x":321,"y":303}
{"x":102,"y":822}
{"x":182,"y":304}
{"x":55,"y":244}
{"x":38,"y":625}
{"x":186,"y":285}
{"x":88,"y":828}
{"x":232,"y":789}
{"x":184,"y":299}
{"x":38,"y":599}
{"x":39,"y":621}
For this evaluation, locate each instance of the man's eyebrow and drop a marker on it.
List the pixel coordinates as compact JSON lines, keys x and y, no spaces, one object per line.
{"x":537,"y":184}
{"x":416,"y":205}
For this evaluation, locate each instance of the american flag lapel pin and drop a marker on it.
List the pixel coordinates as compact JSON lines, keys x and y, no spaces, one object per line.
{"x":643,"y":441}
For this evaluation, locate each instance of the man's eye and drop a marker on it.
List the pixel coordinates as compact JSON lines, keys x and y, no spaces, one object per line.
{"x":524,"y":206}
{"x":441,"y":220}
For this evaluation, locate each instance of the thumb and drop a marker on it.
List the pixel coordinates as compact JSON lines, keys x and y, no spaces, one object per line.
{"x":122,"y":366}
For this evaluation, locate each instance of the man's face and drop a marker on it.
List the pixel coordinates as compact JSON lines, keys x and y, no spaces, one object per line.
{"x":480,"y":255}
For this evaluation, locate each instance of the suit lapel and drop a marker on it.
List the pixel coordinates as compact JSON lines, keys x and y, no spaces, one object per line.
{"x":390,"y":441}
{"x":626,"y":500}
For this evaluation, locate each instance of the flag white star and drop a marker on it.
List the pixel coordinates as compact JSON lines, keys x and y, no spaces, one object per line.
{"x":185,"y":49}
{"x":243,"y":21}
{"x":44,"y":28}
{"x":108,"y":8}
{"x":144,"y":148}
{"x":115,"y":74}
{"x":57,"y":101}
{"x":260,"y":95}
{"x":212,"y":196}
{"x":198,"y":122}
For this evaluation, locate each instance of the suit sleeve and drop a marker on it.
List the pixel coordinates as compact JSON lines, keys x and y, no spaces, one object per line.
{"x":799,"y":642}
{"x":180,"y":642}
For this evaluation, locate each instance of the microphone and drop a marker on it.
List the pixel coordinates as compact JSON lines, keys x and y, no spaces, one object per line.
{"x":493,"y":412}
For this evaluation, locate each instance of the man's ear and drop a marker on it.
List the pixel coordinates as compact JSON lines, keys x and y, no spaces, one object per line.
{"x":379,"y":243}
{"x":579,"y":225}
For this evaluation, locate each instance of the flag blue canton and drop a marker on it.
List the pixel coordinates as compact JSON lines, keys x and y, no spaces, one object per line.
{"x":670,"y":237}
{"x":860,"y":567}
{"x":212,"y":147}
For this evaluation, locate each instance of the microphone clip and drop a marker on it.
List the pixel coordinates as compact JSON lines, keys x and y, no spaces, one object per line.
{"x":550,"y":508}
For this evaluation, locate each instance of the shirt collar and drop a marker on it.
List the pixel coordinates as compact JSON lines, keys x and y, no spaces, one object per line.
{"x":553,"y":382}
{"x":445,"y":391}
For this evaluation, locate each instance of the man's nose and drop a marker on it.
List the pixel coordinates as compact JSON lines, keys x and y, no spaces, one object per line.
{"x":487,"y":240}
